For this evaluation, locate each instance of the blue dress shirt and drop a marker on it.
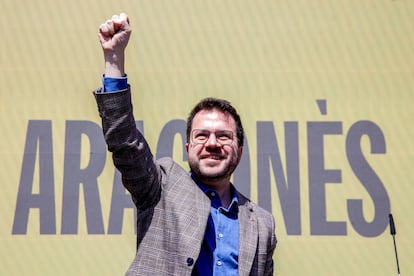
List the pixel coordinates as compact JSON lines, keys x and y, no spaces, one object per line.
{"x":219,"y":252}
{"x":114,"y":84}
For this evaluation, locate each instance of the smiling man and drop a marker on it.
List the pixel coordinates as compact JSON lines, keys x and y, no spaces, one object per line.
{"x":188,"y":223}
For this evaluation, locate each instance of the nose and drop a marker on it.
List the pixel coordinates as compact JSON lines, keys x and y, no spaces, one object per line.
{"x":212,"y":141}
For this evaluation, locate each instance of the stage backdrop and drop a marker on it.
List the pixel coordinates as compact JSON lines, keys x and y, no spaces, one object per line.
{"x":325,"y":90}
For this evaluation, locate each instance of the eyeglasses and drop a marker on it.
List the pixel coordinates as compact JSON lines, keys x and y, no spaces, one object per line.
{"x":201,"y":136}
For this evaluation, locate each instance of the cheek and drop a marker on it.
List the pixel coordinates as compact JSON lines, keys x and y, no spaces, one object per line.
{"x":236,"y":154}
{"x":193,"y":150}
{"x":232,"y":150}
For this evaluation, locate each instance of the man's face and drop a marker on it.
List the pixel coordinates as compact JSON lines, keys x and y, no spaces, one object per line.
{"x":211,"y":155}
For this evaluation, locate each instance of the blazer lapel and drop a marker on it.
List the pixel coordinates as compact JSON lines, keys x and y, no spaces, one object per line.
{"x":248,"y":237}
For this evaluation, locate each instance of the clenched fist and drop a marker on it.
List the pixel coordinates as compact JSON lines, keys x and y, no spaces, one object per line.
{"x":114,"y":36}
{"x":115,"y":32}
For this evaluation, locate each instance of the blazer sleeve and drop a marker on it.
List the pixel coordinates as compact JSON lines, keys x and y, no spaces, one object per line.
{"x":130,"y":152}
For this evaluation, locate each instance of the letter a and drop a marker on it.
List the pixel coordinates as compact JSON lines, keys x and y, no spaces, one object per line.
{"x":38,"y":143}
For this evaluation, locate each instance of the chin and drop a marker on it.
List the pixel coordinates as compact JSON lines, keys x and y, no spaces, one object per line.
{"x":213,"y":175}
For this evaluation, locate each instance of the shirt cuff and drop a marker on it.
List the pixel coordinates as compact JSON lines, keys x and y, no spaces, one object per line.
{"x":114,"y":84}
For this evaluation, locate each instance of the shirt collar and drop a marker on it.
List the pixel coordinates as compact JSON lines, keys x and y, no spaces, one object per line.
{"x":215,"y":200}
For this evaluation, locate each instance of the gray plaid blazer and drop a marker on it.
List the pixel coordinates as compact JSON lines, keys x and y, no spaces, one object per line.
{"x":172,"y":211}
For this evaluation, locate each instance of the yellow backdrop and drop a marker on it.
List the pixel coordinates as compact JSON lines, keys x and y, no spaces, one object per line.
{"x":303,"y":63}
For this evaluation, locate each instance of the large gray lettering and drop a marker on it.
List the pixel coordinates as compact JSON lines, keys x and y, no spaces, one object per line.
{"x":319,"y":176}
{"x":288,"y":187}
{"x":74,"y":175}
{"x":369,"y":179}
{"x":165,"y":144}
{"x":38,"y":143}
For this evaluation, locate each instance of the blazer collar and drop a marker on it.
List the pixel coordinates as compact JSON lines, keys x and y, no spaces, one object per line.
{"x":248,"y":234}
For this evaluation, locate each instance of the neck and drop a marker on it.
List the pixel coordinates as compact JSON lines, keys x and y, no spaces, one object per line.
{"x":222,"y":187}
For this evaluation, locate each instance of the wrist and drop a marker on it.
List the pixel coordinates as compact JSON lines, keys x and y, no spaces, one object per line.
{"x":114,"y":65}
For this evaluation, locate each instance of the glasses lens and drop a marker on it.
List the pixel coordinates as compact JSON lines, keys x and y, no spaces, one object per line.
{"x":201,"y":136}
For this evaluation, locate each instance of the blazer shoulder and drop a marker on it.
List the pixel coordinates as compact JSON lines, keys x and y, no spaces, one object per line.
{"x":169,"y":166}
{"x":173,"y":173}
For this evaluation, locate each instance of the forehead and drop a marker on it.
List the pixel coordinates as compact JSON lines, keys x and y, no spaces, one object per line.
{"x":213,"y":119}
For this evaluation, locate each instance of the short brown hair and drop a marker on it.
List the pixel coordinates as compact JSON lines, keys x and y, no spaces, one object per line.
{"x":222,"y":105}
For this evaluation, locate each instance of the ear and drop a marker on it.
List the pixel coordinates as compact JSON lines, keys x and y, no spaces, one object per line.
{"x":186,"y":147}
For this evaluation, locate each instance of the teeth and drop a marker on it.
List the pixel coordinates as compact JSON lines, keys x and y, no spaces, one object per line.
{"x":215,"y":157}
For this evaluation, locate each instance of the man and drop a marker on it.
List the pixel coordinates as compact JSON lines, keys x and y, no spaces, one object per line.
{"x":189,"y":223}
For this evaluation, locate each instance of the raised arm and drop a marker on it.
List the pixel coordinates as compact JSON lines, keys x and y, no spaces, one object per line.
{"x":130,"y":151}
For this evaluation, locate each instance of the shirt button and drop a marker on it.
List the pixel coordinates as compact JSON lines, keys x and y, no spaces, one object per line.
{"x":213,"y":194}
{"x":219,"y":263}
{"x":220,"y":235}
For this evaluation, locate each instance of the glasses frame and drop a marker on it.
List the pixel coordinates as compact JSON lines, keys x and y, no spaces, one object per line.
{"x":225,"y":133}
